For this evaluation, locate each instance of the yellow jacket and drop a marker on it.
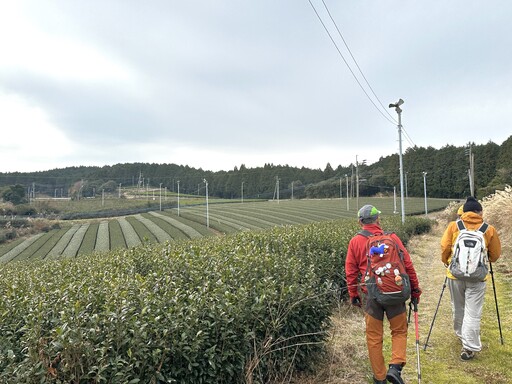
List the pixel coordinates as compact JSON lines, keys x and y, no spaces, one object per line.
{"x":473,"y":221}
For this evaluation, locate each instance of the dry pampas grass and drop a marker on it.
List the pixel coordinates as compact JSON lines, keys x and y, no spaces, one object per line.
{"x":498,"y":212}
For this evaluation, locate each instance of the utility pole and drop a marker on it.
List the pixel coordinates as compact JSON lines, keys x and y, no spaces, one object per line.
{"x":242,"y":192}
{"x":207,"y":215}
{"x":276,"y":192}
{"x":425,"y":190}
{"x":140,"y":183}
{"x":394,"y":199}
{"x":472,"y":167}
{"x":178,"y":197}
{"x":357,"y":184}
{"x":119,"y":190}
{"x":80,"y":189}
{"x":471,"y":170}
{"x":399,"y":112}
{"x":160,"y":196}
{"x":346,"y":178}
{"x":406,"y":194}
{"x":352,"y":180}
{"x":357,"y":181}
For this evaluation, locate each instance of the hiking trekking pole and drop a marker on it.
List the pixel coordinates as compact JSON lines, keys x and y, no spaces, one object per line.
{"x":414,"y":303}
{"x":495,"y":299}
{"x":435,"y":314}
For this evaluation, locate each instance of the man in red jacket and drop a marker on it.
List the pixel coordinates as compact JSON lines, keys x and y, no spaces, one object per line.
{"x":355,"y":268}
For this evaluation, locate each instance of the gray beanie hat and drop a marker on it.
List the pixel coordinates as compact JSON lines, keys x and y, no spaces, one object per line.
{"x":368,"y":214}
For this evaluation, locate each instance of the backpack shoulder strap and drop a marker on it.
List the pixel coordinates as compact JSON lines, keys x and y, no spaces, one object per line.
{"x":365,"y":233}
{"x":483,"y":227}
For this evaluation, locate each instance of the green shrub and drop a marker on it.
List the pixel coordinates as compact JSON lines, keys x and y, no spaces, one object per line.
{"x":247,"y":307}
{"x":26,"y":210}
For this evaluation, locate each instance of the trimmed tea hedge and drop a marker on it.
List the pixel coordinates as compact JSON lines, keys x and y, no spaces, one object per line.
{"x":247,"y":307}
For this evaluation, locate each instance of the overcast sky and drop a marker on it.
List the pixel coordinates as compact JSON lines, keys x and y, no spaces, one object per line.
{"x":216,"y":84}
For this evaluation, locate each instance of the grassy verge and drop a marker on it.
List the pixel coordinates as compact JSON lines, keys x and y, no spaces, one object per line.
{"x":440,"y":361}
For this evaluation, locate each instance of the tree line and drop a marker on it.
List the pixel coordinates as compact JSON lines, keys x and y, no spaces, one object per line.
{"x":444,"y":170}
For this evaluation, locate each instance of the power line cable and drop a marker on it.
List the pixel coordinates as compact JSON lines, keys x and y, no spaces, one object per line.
{"x":357,"y":65}
{"x":348,"y":66}
{"x":407,"y":136}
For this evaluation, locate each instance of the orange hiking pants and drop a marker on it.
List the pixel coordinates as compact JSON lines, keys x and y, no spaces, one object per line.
{"x":397,"y":317}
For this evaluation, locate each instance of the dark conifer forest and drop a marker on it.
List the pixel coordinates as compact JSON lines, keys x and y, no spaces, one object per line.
{"x":447,"y":176}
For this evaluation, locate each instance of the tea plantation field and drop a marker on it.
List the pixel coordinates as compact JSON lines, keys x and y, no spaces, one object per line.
{"x":76,"y":238}
{"x":160,"y":298}
{"x":250,"y":307}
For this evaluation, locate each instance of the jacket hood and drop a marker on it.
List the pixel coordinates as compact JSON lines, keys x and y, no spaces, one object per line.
{"x":472,"y":218}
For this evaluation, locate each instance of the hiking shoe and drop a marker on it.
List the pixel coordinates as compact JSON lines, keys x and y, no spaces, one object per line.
{"x":394,"y":374}
{"x":467,"y":354}
{"x":375,"y":381}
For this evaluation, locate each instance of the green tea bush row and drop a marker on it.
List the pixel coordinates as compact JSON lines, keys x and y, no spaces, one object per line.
{"x":174,"y":232}
{"x":75,"y":242}
{"x":63,"y":242}
{"x":192,"y":228}
{"x":159,"y":233}
{"x":142,"y":231}
{"x":248,"y":307}
{"x":49,"y":244}
{"x":116,"y":235}
{"x":190,"y":232}
{"x":89,"y":240}
{"x":103,"y":237}
{"x":413,"y":225}
{"x":129,"y":234}
{"x":113,"y":212}
{"x":19,"y":249}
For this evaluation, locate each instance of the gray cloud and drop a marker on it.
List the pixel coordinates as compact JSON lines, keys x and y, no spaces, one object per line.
{"x":262,"y":77}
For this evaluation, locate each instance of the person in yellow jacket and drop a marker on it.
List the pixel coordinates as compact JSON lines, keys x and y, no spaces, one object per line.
{"x":467,"y":297}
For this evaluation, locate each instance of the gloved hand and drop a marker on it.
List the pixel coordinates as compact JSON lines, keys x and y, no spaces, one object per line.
{"x":356,"y":301}
{"x":415,"y":295}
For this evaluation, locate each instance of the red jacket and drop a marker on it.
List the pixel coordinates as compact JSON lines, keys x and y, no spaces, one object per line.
{"x":357,"y":260}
